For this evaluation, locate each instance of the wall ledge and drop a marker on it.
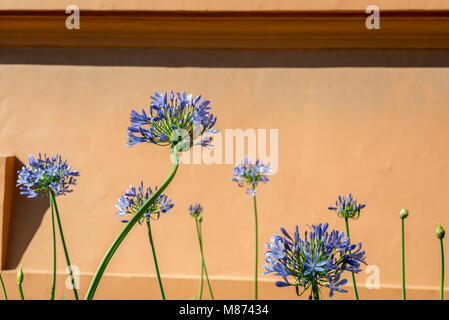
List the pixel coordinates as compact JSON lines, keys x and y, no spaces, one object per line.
{"x":144,"y":286}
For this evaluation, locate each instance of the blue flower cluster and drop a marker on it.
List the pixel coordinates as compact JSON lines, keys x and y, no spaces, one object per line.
{"x":133,"y":199}
{"x":347,"y":207}
{"x":317,"y":260}
{"x":44,"y":174}
{"x":248,"y":175}
{"x":195,"y":210}
{"x":176,"y":120}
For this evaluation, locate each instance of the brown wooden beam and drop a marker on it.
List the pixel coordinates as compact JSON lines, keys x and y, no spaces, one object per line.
{"x":227,"y":30}
{"x":7,"y":185}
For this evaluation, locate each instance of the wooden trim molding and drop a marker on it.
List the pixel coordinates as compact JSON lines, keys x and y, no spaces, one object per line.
{"x":7,"y":174}
{"x":227,"y":30}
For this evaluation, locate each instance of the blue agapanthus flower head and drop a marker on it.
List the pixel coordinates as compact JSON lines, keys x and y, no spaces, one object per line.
{"x":347,"y":207}
{"x":318,"y":259}
{"x":134,"y":198}
{"x":195,"y":210}
{"x":44,"y":174}
{"x":248,"y":175}
{"x":176,"y":120}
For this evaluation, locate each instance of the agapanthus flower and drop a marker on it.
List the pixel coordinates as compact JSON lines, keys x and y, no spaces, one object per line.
{"x":175,"y":120}
{"x":347,"y":207}
{"x":195,"y":210}
{"x":248,"y":175}
{"x":334,"y":285}
{"x":134,"y":198}
{"x":319,"y":258}
{"x":44,"y":174}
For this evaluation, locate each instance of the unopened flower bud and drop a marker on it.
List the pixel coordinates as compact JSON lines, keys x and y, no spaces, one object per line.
{"x":403,"y":213}
{"x":200,"y":219}
{"x":20,"y":276}
{"x":440,"y":232}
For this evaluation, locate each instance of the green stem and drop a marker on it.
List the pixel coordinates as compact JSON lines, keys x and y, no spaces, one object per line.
{"x":354,"y":284}
{"x":61,"y":234}
{"x":402,"y":259}
{"x":442,"y":270}
{"x":315,"y":292}
{"x":5,"y":296}
{"x":200,"y":289}
{"x":19,"y":286}
{"x":153,"y":251}
{"x":53,"y":279}
{"x":136,"y":217}
{"x":256,"y":258}
{"x":200,"y":240}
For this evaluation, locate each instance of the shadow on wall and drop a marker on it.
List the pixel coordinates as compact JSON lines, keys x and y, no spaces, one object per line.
{"x":177,"y":58}
{"x":26,"y":217}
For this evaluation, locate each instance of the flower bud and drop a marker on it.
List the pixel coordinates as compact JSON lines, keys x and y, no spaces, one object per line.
{"x":20,"y":276}
{"x":440,"y":232}
{"x":403,"y":213}
{"x":200,"y":219}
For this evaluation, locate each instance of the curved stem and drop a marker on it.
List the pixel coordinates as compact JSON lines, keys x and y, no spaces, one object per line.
{"x":402,"y":259}
{"x":153,"y":251}
{"x":200,"y":289}
{"x":442,"y":270}
{"x":19,"y":286}
{"x":200,"y":240}
{"x":256,"y":244}
{"x":136,"y":217}
{"x":61,"y":234}
{"x":5,"y":296}
{"x":354,"y":284}
{"x":53,"y":279}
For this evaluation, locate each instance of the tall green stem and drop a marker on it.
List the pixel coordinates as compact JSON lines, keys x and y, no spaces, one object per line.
{"x":354,"y":284}
{"x":5,"y":296}
{"x":53,"y":279}
{"x":200,"y":289}
{"x":402,"y":259}
{"x":200,"y":241}
{"x":153,"y":251}
{"x":136,"y":217}
{"x":256,"y":258}
{"x":442,"y":270}
{"x":19,"y":286}
{"x":66,"y":254}
{"x":315,"y":291}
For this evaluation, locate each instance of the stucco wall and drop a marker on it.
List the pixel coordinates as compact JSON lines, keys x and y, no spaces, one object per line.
{"x":347,"y":123}
{"x":233,"y":5}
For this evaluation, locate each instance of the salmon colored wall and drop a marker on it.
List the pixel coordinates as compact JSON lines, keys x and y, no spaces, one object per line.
{"x":232,"y":5}
{"x":378,"y":132}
